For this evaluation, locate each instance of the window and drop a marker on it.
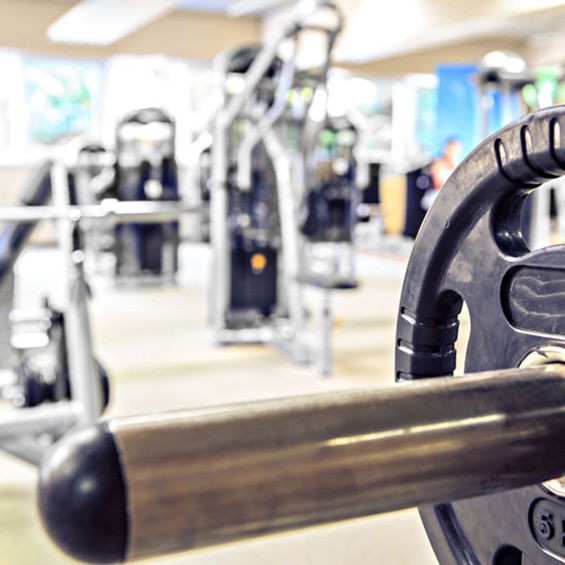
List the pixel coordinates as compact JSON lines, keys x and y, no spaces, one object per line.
{"x":60,"y":99}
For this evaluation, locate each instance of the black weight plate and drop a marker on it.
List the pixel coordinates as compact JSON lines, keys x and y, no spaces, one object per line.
{"x":470,"y":249}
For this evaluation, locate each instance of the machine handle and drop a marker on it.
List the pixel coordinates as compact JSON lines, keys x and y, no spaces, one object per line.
{"x":145,"y":486}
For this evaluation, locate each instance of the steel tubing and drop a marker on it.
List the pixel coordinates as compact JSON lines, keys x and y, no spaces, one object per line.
{"x":117,"y":212}
{"x":169,"y":482}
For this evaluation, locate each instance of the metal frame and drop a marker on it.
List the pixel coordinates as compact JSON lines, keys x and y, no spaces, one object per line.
{"x":187,"y":480}
{"x":116,"y":211}
{"x":291,"y":336}
{"x":24,"y":432}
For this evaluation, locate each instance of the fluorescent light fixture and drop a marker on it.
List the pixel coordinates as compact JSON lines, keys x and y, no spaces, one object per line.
{"x":245,"y":7}
{"x":102,"y":22}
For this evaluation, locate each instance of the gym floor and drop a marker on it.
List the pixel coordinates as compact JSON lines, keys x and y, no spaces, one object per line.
{"x":157,"y":348}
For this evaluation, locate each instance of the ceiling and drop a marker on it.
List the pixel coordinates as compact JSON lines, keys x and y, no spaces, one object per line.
{"x":377,"y":34}
{"x":217,"y":6}
{"x":205,"y":5}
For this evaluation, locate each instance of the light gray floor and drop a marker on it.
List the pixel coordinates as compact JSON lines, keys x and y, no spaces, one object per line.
{"x":155,"y":344}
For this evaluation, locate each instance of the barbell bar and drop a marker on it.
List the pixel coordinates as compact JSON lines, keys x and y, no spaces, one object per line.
{"x":144,"y":486}
{"x":115,"y":211}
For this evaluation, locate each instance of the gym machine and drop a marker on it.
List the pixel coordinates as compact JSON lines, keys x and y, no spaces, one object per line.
{"x":418,"y":183}
{"x":92,"y":175}
{"x":329,"y":217}
{"x":204,"y":170}
{"x":92,"y":179}
{"x":143,"y":169}
{"x":53,"y":377}
{"x":49,"y":372}
{"x":329,"y":207}
{"x":327,"y":173}
{"x":252,"y":236}
{"x":258,"y":268}
{"x":480,"y":454}
{"x":146,"y":171}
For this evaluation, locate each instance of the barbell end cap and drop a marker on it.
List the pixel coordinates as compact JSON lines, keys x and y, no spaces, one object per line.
{"x":82,"y":496}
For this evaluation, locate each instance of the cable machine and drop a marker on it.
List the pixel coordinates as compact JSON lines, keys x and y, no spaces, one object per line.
{"x":255,"y":188}
{"x":146,"y":171}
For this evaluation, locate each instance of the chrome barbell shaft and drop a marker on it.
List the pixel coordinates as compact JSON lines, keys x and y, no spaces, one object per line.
{"x":164,"y":483}
{"x":117,"y":212}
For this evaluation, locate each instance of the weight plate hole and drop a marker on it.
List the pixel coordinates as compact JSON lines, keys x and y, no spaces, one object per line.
{"x":501,"y":157}
{"x":462,"y":339}
{"x":508,"y":555}
{"x":556,"y":138}
{"x":543,"y":216}
{"x":526,"y":141}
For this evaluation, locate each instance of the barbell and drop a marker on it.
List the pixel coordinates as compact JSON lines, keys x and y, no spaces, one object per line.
{"x":110,"y":210}
{"x":479,"y":454}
